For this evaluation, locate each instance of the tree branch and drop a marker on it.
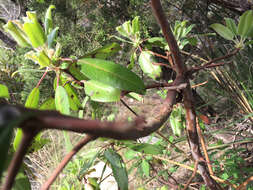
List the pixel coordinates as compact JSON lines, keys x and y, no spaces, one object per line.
{"x":66,"y":159}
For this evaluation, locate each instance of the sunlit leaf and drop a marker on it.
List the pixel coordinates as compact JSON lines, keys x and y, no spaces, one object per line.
{"x":18,"y":35}
{"x":74,"y":101}
{"x":111,"y":74}
{"x":135,"y":25}
{"x":145,"y":167}
{"x":48,"y":19}
{"x":39,"y":57}
{"x":4,"y":93}
{"x":33,"y":98}
{"x":118,"y":168}
{"x":147,"y":64}
{"x":34,"y":30}
{"x":223,"y":31}
{"x":48,"y":104}
{"x":101,"y":92}
{"x":146,"y":148}
{"x":62,"y":100}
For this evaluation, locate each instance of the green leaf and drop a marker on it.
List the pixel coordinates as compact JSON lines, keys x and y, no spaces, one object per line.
{"x":33,"y":99}
{"x":146,"y":148}
{"x":48,"y":19}
{"x":146,"y":61}
{"x":111,"y":74}
{"x":4,"y":93}
{"x":17,"y":139}
{"x":135,"y":96}
{"x":21,"y":182}
{"x":103,"y":52}
{"x":145,"y":167}
{"x":68,"y":144}
{"x":33,"y":30}
{"x":101,"y":92}
{"x":62,"y":100}
{"x":74,"y":101}
{"x":231,"y":25}
{"x":74,"y":70}
{"x":118,"y":168}
{"x":49,"y":104}
{"x":31,"y":102}
{"x":223,"y":31}
{"x":18,"y":35}
{"x":51,"y":37}
{"x":136,"y":25}
{"x":245,"y":23}
{"x":39,"y":57}
{"x":86,"y":166}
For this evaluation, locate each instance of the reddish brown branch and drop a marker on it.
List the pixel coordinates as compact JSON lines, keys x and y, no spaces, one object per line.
{"x":192,"y":176}
{"x":162,"y":20}
{"x":181,"y":70}
{"x":66,"y":159}
{"x":202,"y":141}
{"x":210,"y":65}
{"x":17,"y":159}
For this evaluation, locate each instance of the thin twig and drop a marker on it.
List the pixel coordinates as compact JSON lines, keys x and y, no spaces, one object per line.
{"x":193,"y":175}
{"x":66,"y":159}
{"x":125,"y":104}
{"x":16,"y":162}
{"x":158,"y":55}
{"x":245,"y":183}
{"x":202,"y":141}
{"x":43,"y":76}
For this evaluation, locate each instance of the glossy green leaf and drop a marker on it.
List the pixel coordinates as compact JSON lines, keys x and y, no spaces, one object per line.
{"x":135,"y":25}
{"x":101,"y":92}
{"x":33,"y":30}
{"x":62,"y":100}
{"x":18,"y":35}
{"x":118,"y":168}
{"x":74,"y":70}
{"x":103,"y":52}
{"x":33,"y":99}
{"x":111,"y":74}
{"x":39,"y":57}
{"x":51,"y":37}
{"x":31,"y":102}
{"x":48,"y":20}
{"x":4,"y":93}
{"x":146,"y":62}
{"x":245,"y":23}
{"x":74,"y":101}
{"x":146,"y":148}
{"x":48,"y":104}
{"x":17,"y":139}
{"x":145,"y":167}
{"x":223,"y":31}
{"x":231,"y":25}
